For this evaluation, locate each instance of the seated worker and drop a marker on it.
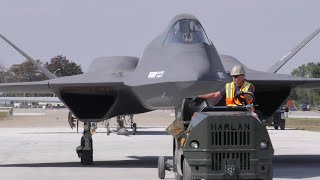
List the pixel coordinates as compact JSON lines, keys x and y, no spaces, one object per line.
{"x":239,"y":84}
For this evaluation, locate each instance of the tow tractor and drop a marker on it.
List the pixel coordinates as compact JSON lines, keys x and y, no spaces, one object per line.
{"x":218,"y":143}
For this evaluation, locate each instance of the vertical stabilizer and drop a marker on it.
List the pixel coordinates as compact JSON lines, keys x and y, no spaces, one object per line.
{"x":274,"y":68}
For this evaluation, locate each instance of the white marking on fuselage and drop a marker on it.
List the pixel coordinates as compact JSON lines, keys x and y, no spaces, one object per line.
{"x":156,"y":74}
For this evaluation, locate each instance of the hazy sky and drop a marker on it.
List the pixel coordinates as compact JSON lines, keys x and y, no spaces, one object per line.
{"x":258,"y":33}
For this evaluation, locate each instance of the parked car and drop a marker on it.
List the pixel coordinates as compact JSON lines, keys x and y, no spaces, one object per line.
{"x":304,"y":107}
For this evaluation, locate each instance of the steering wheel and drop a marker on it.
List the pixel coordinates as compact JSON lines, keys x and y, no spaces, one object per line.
{"x":242,"y":97}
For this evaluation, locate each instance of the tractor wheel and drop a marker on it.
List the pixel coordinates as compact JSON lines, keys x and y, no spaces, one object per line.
{"x":187,"y":173}
{"x":161,"y":167}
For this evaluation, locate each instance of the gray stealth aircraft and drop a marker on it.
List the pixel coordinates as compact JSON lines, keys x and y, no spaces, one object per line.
{"x":181,"y":62}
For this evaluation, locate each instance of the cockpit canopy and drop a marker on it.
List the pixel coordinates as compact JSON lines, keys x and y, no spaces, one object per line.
{"x":186,"y":31}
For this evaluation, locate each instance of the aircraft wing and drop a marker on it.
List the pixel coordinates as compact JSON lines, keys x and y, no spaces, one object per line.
{"x":31,"y":99}
{"x":271,"y":79}
{"x":271,"y":89}
{"x":37,"y":86}
{"x":80,"y":81}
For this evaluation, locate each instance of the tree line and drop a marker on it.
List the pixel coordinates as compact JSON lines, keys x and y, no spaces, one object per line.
{"x":307,"y":96}
{"x":27,"y":72}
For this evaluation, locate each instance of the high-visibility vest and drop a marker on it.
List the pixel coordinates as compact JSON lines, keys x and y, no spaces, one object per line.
{"x":230,"y":92}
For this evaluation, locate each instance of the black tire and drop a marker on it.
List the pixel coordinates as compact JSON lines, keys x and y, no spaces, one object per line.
{"x":276,"y":127}
{"x":282,"y":126}
{"x":86,"y":155}
{"x":87,"y":158}
{"x":177,"y":176}
{"x":161,"y":167}
{"x":187,"y":173}
{"x":134,"y":128}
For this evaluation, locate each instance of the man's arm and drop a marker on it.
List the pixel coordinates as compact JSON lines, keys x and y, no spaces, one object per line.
{"x":211,"y":95}
{"x":215,"y":96}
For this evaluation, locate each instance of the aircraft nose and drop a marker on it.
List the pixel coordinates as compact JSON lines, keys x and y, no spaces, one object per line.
{"x":201,"y":63}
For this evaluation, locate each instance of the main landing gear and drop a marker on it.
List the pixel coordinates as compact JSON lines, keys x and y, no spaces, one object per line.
{"x":85,"y":150}
{"x":121,"y":122}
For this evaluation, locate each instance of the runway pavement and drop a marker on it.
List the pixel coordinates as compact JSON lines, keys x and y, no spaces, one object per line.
{"x":49,"y":153}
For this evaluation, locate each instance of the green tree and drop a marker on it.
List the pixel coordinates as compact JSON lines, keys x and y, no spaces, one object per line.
{"x":3,"y":73}
{"x":25,"y":72}
{"x":311,"y":96}
{"x":311,"y":70}
{"x":61,"y":66}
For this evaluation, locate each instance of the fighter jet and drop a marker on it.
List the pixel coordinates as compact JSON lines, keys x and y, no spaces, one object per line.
{"x":181,"y":62}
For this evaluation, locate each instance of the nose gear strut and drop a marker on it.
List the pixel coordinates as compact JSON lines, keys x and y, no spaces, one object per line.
{"x":85,"y":150}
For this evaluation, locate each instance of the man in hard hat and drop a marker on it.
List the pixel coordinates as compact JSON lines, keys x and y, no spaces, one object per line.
{"x":239,"y":85}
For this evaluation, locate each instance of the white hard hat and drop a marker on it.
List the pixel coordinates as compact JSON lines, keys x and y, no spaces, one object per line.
{"x":237,"y":70}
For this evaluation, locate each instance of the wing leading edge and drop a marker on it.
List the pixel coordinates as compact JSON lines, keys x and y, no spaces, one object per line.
{"x":37,"y":86}
{"x":31,"y":99}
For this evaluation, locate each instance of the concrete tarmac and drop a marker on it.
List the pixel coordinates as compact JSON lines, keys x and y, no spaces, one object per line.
{"x":41,"y":152}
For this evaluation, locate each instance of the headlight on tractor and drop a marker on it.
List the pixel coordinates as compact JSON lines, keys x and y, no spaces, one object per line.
{"x":194,"y":144}
{"x":263,"y":144}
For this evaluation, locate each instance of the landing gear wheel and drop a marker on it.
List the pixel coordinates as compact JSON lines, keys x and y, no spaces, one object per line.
{"x":161,"y":167}
{"x":276,"y":127}
{"x":134,"y":128}
{"x":87,"y":157}
{"x":187,"y":173}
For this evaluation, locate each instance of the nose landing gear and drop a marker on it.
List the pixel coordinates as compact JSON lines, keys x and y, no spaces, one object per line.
{"x":85,"y":150}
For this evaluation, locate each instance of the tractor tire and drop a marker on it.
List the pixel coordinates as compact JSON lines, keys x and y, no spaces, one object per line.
{"x":161,"y":167}
{"x":187,"y":173}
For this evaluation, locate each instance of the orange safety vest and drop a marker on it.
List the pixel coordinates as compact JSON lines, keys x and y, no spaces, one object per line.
{"x":230,"y":92}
